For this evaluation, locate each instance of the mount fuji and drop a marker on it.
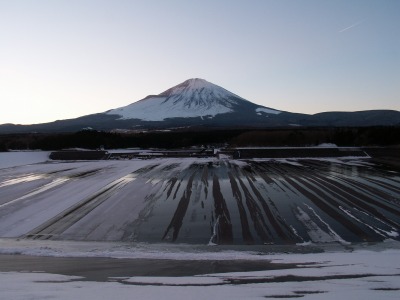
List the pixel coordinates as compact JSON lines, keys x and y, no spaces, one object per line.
{"x":198,"y":103}
{"x":190,"y":99}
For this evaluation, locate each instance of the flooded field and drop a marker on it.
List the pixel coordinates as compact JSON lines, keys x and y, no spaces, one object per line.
{"x":202,"y":201}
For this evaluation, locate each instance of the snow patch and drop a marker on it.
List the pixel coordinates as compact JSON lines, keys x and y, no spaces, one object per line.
{"x":21,"y":158}
{"x":327,"y":145}
{"x":268,"y":111}
{"x":171,"y":281}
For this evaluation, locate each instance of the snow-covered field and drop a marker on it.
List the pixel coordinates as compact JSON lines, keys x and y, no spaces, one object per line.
{"x":148,"y":207}
{"x":201,"y":201}
{"x":20,"y":158}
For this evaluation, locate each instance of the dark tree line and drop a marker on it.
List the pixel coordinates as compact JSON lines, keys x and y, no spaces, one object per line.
{"x":369,"y":136}
{"x":364,"y":136}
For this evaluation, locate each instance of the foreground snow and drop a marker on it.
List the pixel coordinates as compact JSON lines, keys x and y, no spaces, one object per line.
{"x":360,"y":274}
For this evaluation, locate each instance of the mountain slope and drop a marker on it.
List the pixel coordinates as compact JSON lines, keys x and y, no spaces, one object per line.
{"x":190,"y":99}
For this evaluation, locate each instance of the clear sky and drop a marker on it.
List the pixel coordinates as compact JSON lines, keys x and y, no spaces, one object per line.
{"x":67,"y":58}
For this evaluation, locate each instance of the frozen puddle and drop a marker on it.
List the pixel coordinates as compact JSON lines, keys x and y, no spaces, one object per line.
{"x":360,"y":274}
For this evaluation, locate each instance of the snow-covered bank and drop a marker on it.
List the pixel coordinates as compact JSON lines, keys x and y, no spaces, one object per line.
{"x":124,"y":250}
{"x":128,"y":250}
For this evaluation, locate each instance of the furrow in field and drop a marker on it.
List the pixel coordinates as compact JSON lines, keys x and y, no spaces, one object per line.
{"x":177,"y":219}
{"x":58,"y":224}
{"x":352,"y":199}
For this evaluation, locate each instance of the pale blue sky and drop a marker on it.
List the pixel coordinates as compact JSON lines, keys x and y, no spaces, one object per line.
{"x":63,"y":59}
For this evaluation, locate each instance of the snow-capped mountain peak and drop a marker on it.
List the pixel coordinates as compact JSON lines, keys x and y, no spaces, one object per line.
{"x":199,"y":89}
{"x":200,"y":95}
{"x":192,"y":98}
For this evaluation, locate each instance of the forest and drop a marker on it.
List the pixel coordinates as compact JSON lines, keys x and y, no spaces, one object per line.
{"x":277,"y":137}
